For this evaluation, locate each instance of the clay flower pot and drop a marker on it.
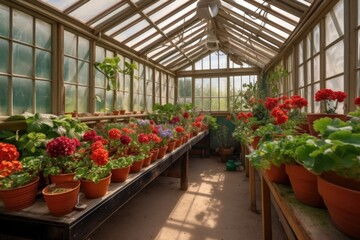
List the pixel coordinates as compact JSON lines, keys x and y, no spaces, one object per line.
{"x":95,"y":190}
{"x":136,"y":166}
{"x":19,"y":198}
{"x":61,"y":198}
{"x":147,"y":161}
{"x":155,"y":153}
{"x":170,"y":146}
{"x":277,"y":174}
{"x":60,"y":178}
{"x":120,"y":174}
{"x":162,"y":152}
{"x":304,"y":184}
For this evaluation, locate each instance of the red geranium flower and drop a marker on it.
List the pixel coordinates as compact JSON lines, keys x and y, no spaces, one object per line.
{"x":298,"y":102}
{"x":271,"y":103}
{"x":125,"y":140}
{"x":9,"y":167}
{"x":357,"y":101}
{"x":97,"y":145}
{"x":61,"y":146}
{"x":89,"y":135}
{"x":280,"y":115}
{"x":114,"y":134}
{"x":8,"y":152}
{"x":155,"y":138}
{"x":143,"y":138}
{"x":186,"y":114}
{"x":179,"y":129}
{"x":100,"y":156}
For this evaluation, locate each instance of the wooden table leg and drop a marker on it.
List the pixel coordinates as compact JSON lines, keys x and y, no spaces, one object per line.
{"x":266,"y":210}
{"x":252,"y":187}
{"x":184,"y":181}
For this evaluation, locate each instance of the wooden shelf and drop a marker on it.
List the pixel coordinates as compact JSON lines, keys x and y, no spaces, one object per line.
{"x":36,"y":222}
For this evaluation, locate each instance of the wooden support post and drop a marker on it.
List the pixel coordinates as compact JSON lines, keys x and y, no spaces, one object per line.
{"x":184,"y":182}
{"x":266,"y":209}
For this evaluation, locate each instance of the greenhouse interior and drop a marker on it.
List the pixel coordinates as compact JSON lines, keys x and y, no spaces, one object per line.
{"x":189,"y":119}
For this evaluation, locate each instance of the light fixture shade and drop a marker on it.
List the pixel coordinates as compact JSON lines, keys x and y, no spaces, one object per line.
{"x":207,"y":8}
{"x":212,"y":45}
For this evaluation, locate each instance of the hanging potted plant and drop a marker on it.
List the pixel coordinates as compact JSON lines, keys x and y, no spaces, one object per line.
{"x":111,"y":70}
{"x":18,"y":180}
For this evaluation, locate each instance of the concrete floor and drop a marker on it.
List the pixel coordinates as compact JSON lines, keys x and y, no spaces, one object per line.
{"x":215,"y":207}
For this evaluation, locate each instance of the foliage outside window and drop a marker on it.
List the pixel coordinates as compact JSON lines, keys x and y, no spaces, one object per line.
{"x":76,"y":72}
{"x":184,"y":90}
{"x":238,"y":86}
{"x":25,"y":63}
{"x":138,"y":88}
{"x":211,"y":94}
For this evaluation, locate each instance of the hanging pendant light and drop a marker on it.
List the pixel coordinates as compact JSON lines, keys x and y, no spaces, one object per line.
{"x":207,"y":8}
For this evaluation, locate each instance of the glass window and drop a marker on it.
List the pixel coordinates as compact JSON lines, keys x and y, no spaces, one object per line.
{"x":184,"y":90}
{"x":25,"y":63}
{"x":149,"y":76}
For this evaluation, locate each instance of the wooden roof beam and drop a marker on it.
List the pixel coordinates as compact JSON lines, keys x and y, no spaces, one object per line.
{"x":75,"y":6}
{"x":285,"y":6}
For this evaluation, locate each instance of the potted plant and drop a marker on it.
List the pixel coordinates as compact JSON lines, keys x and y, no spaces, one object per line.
{"x":61,"y":162}
{"x":335,"y":157}
{"x":18,"y":180}
{"x":111,"y":69}
{"x":329,"y":100}
{"x":225,"y":142}
{"x":120,"y":168}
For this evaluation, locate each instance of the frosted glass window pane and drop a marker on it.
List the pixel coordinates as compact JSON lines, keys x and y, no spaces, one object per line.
{"x":43,"y":64}
{"x":22,"y":59}
{"x":300,"y":53}
{"x":136,"y":85}
{"x":223,"y":104}
{"x":84,"y":48}
{"x":149,"y":104}
{"x":4,"y":95}
{"x":69,"y":70}
{"x":157,"y":89}
{"x":333,"y":19}
{"x":83,"y":77}
{"x":223,"y":87}
{"x":109,"y":99}
{"x":4,"y":56}
{"x":127,"y":83}
{"x":149,"y":88}
{"x":43,"y":34}
{"x":43,"y":96}
{"x":214,"y":87}
{"x":136,"y":102}
{"x":70,"y":98}
{"x":198,"y":65}
{"x":126,"y":103}
{"x":337,"y":84}
{"x":301,"y":76}
{"x":309,"y":98}
{"x":83,"y":99}
{"x":22,"y":27}
{"x":317,"y":68}
{"x":316,"y":39}
{"x":316,"y":104}
{"x":335,"y":59}
{"x":206,"y":63}
{"x":358,"y":83}
{"x":214,"y":104}
{"x":308,"y":73}
{"x":22,"y":95}
{"x":308,"y":46}
{"x":206,"y":87}
{"x":141,"y":86}
{"x":69,"y":43}
{"x":214,"y":61}
{"x":100,"y":106}
{"x":206,"y":104}
{"x":4,"y":21}
{"x":163,"y":91}
{"x":222,"y":61}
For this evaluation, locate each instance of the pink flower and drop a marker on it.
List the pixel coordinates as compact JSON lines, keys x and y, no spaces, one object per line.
{"x":61,"y":146}
{"x":89,"y":135}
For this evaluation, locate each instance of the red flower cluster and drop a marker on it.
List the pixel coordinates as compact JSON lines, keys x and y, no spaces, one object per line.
{"x":114,"y":134}
{"x":100,"y":156}
{"x":174,"y":120}
{"x":154,"y":137}
{"x":97,"y":145}
{"x":245,"y":116}
{"x":328,"y":94}
{"x":357,"y":101}
{"x":9,"y":167}
{"x":62,"y":146}
{"x":8,"y":152}
{"x":125,"y":140}
{"x":280,"y":115}
{"x":200,"y":118}
{"x":128,"y":130}
{"x":179,"y":129}
{"x":143,"y":138}
{"x":271,"y":103}
{"x":186,"y":115}
{"x":89,"y":135}
{"x":298,"y":102}
{"x":196,"y":124}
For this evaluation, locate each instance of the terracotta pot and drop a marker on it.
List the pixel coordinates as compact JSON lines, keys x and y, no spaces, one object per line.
{"x":147,"y":161}
{"x":343,"y":206}
{"x":277,"y":174}
{"x":19,"y":198}
{"x":188,"y":136}
{"x":60,"y":178}
{"x":155,"y":153}
{"x":136,"y":166}
{"x":162,"y":152}
{"x":63,"y":202}
{"x":226,"y":153}
{"x":95,"y":190}
{"x":194,"y":133}
{"x":120,"y":174}
{"x":255,"y":142}
{"x":304,"y":185}
{"x":311,"y":117}
{"x":116,"y":112}
{"x":177,"y":143}
{"x":122,"y":112}
{"x":170,"y":146}
{"x":338,"y":180}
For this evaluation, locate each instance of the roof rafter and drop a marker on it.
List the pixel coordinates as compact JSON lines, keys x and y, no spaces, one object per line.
{"x":75,"y":6}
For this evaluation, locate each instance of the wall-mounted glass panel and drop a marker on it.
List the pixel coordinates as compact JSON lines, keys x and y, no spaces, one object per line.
{"x":69,"y":44}
{"x":22,"y":27}
{"x":316,"y":104}
{"x":358,"y":47}
{"x":309,"y":98}
{"x":43,"y":96}
{"x":70,"y":70}
{"x":4,"y":95}
{"x":4,"y":56}
{"x":335,"y":59}
{"x":316,"y":61}
{"x":83,"y":76}
{"x":316,"y":39}
{"x":43,"y":64}
{"x":334,"y":23}
{"x":206,"y":87}
{"x":22,"y":99}
{"x":300,"y":53}
{"x":43,"y":34}
{"x":308,"y":46}
{"x":22,"y":60}
{"x":100,"y":106}
{"x":214,"y":89}
{"x":83,"y":103}
{"x":4,"y":21}
{"x":222,"y":60}
{"x":70,"y":98}
{"x":308,"y":72}
{"x":301,"y":76}
{"x":214,"y":59}
{"x":84,"y":49}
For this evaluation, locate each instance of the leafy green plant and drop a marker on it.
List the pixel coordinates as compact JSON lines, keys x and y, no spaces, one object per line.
{"x":274,"y":78}
{"x":121,"y":162}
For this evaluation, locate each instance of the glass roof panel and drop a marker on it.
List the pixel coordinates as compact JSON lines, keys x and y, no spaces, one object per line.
{"x":178,"y":23}
{"x":123,"y":24}
{"x":92,"y":8}
{"x":153,"y":6}
{"x":110,"y":15}
{"x":179,"y":16}
{"x":59,"y":4}
{"x":145,"y":44}
{"x":157,"y":50}
{"x":132,"y":30}
{"x":286,"y":14}
{"x":141,"y":37}
{"x":166,"y":10}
